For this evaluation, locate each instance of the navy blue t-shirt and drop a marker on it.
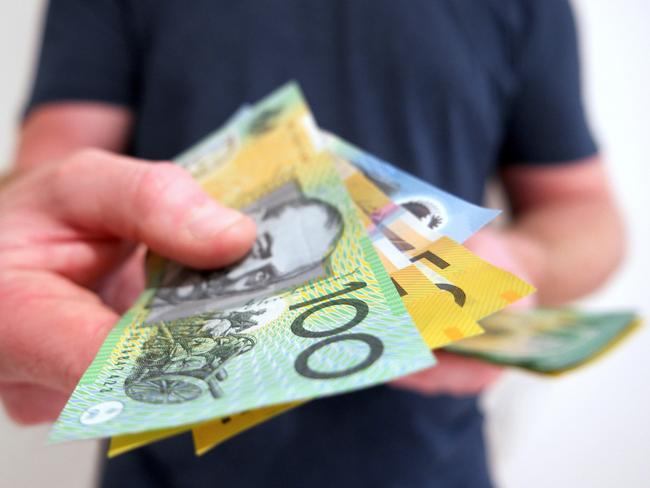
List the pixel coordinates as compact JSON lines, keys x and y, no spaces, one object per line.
{"x":450,"y":90}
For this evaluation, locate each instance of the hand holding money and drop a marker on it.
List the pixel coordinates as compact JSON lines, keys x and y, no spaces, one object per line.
{"x":63,"y":228}
{"x":354,"y":274}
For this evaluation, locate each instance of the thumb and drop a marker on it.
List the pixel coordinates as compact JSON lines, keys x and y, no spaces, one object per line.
{"x":157,"y":204}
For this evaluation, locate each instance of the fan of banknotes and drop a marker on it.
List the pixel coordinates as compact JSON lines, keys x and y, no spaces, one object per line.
{"x":357,"y":274}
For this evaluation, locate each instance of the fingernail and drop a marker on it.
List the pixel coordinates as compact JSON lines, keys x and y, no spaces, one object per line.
{"x":211,"y":219}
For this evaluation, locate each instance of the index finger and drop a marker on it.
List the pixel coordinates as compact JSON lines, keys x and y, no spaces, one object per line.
{"x":157,"y":204}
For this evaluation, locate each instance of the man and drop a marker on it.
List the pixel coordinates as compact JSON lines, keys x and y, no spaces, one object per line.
{"x":455,"y":91}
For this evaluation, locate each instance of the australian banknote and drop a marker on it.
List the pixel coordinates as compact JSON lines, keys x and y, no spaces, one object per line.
{"x":546,"y":340}
{"x":309,"y":312}
{"x":437,"y":209}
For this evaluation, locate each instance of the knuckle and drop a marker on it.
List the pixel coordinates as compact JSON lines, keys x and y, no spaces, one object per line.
{"x":156,"y":182}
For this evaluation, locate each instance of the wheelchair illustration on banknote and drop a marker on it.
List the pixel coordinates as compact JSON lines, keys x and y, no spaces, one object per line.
{"x":182,"y":360}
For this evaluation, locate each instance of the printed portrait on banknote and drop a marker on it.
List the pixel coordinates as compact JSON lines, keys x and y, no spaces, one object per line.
{"x":295,"y":236}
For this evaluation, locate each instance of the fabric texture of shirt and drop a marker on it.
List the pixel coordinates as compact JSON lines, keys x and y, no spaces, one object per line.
{"x":450,"y":90}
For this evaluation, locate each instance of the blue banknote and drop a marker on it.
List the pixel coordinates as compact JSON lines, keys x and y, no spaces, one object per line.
{"x":440,"y":211}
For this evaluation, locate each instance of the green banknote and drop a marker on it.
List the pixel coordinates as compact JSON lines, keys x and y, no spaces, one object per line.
{"x":309,"y":312}
{"x":547,"y":341}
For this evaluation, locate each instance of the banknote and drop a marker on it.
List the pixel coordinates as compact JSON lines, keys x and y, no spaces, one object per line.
{"x":121,"y":444}
{"x":309,"y":312}
{"x":448,"y":323}
{"x":546,"y":340}
{"x":438,"y":210}
{"x":206,"y":435}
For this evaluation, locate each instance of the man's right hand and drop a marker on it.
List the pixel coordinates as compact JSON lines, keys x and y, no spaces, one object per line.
{"x":66,"y":227}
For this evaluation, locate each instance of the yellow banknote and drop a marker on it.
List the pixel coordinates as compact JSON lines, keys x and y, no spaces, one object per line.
{"x":399,"y":238}
{"x":206,"y":435}
{"x":210,"y":434}
{"x":478,"y":286}
{"x":121,"y":444}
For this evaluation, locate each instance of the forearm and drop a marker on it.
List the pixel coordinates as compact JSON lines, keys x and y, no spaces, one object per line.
{"x":568,"y":248}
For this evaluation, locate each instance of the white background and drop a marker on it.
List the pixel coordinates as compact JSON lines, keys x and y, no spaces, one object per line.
{"x":587,"y":429}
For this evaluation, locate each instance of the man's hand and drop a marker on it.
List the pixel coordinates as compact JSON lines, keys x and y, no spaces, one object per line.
{"x":457,"y":375}
{"x":69,"y":228}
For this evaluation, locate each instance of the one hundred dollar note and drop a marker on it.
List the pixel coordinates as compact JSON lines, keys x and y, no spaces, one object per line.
{"x":309,"y":312}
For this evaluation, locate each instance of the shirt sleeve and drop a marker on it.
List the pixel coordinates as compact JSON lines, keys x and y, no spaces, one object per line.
{"x":86,"y":54}
{"x":546,"y":122}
